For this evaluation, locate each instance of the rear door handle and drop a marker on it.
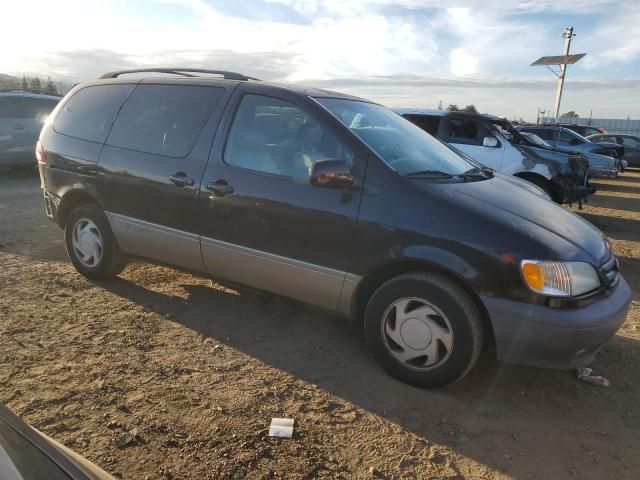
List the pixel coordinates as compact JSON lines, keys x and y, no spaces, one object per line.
{"x":219,"y":188}
{"x":181,"y":180}
{"x":19,"y":126}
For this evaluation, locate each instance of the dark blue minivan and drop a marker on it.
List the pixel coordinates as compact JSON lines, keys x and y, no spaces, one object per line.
{"x":334,"y":201}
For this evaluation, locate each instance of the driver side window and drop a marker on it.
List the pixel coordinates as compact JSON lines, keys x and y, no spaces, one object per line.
{"x":274,"y":136}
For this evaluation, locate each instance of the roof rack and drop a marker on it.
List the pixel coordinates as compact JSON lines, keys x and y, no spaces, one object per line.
{"x":185,"y":72}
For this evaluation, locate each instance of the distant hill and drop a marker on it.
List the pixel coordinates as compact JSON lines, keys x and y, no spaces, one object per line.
{"x":9,"y":81}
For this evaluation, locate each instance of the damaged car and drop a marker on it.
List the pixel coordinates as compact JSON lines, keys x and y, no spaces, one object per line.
{"x":569,"y":141}
{"x":600,"y":166}
{"x":495,"y":143}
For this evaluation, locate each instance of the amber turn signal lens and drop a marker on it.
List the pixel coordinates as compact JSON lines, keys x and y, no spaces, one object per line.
{"x":533,"y":276}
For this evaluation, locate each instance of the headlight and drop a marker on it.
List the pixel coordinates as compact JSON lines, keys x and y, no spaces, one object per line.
{"x":559,"y":279}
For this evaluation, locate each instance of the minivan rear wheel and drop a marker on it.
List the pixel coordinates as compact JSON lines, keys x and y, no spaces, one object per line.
{"x":90,"y":243}
{"x":423,"y":329}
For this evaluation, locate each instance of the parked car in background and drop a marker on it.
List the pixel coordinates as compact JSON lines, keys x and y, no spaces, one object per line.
{"x":569,"y":141}
{"x":600,"y":166}
{"x":583,"y":130}
{"x":494,"y":142}
{"x":22,"y":115}
{"x":27,"y":454}
{"x":334,"y":201}
{"x":631,"y":145}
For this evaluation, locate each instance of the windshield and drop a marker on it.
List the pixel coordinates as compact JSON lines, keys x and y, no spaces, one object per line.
{"x":514,"y":136}
{"x":575,"y":134}
{"x":535,"y":139}
{"x":403,"y":146}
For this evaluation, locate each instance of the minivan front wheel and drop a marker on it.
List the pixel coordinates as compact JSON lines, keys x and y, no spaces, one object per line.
{"x":423,"y":329}
{"x":90,"y":244}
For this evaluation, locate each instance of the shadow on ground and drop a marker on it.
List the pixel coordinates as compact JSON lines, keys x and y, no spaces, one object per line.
{"x":542,"y":409}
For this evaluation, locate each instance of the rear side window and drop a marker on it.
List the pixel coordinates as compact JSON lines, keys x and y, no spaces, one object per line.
{"x":426,"y":123}
{"x":630,"y":142}
{"x":164,"y":119}
{"x":466,"y":132}
{"x":37,"y":107}
{"x":89,"y":113}
{"x":10,"y":107}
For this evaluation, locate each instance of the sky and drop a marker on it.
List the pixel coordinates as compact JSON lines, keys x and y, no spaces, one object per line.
{"x":397,"y":52}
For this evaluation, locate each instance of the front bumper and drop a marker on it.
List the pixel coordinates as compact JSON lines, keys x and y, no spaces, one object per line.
{"x":596,"y":172}
{"x":556,"y":338}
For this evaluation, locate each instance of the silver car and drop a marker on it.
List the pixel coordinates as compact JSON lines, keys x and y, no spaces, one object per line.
{"x":22,"y":115}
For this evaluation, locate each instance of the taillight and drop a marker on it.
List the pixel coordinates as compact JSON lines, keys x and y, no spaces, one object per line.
{"x":40,"y":153}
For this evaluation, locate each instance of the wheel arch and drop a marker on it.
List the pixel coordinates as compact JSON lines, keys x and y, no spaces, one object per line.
{"x":372,"y":281}
{"x":71,"y":199}
{"x":539,"y":179}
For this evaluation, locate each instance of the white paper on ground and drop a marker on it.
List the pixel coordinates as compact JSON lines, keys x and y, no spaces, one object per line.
{"x":281,"y":427}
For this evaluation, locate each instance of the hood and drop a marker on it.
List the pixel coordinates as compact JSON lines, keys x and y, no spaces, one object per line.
{"x":26,"y":454}
{"x":21,"y":460}
{"x":556,"y":161}
{"x":532,"y":217}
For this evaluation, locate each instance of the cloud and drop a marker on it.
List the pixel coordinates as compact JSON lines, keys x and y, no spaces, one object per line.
{"x":508,"y":96}
{"x":614,"y":42}
{"x":77,"y":65}
{"x":470,"y":51}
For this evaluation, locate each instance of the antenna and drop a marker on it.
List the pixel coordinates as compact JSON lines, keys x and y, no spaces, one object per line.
{"x":562,"y":61}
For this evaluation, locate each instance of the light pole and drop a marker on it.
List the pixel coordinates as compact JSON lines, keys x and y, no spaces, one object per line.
{"x":562,"y":61}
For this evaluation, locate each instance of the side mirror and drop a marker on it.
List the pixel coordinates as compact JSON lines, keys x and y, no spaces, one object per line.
{"x":490,"y":142}
{"x":331,"y":173}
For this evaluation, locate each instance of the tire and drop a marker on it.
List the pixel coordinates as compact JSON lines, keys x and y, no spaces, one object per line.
{"x":446,"y":327}
{"x":86,"y":228}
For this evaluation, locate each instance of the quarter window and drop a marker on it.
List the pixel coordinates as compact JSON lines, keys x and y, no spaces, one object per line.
{"x":274,"y":136}
{"x":164,"y":119}
{"x":89,"y":113}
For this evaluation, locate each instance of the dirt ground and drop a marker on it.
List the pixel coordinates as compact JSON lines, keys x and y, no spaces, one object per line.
{"x":160,"y":374}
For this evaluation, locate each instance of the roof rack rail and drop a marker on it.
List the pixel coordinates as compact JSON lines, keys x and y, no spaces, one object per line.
{"x":185,"y":72}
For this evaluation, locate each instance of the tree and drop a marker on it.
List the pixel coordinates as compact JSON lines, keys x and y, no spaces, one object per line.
{"x":470,"y":108}
{"x":24,"y":85}
{"x":453,"y":107}
{"x":35,"y":84}
{"x":50,"y":87}
{"x":570,"y":114}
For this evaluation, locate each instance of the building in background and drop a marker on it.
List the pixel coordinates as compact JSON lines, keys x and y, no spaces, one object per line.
{"x":611,"y":125}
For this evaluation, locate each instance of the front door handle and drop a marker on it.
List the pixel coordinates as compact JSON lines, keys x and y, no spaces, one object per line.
{"x":19,"y":126}
{"x":181,"y":180}
{"x":219,"y":188}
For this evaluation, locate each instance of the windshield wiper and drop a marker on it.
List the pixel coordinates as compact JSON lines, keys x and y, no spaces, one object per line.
{"x":478,"y":172}
{"x":429,"y":173}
